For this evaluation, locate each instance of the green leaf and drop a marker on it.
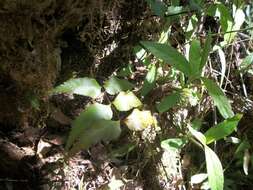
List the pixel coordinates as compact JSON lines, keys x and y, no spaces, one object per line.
{"x":223,"y":64}
{"x":149,"y":82}
{"x":196,"y":5}
{"x":214,"y":170}
{"x":206,"y":51}
{"x":198,"y":135}
{"x":140,"y":53}
{"x":171,"y":10}
{"x":158,"y":7}
{"x":195,"y":57}
{"x":115,"y":85}
{"x":126,"y":71}
{"x":211,"y":10}
{"x":246,"y":63}
{"x":169,"y":55}
{"x":219,"y":98}
{"x":168,"y":102}
{"x":196,"y":123}
{"x":173,"y":143}
{"x":99,"y":130}
{"x":242,"y":147}
{"x":239,"y":18}
{"x":226,"y":20}
{"x":81,"y":86}
{"x":85,"y":119}
{"x":175,"y":2}
{"x":126,"y":101}
{"x":139,"y":120}
{"x":223,"y":129}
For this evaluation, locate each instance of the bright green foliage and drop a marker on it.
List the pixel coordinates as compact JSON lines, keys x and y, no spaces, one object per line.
{"x":99,"y":130}
{"x":214,"y":170}
{"x":223,"y":129}
{"x":195,"y":57}
{"x":115,"y":85}
{"x":81,"y":86}
{"x":149,"y":82}
{"x":173,"y":143}
{"x":184,"y":74}
{"x":126,"y":101}
{"x":86,"y":119}
{"x":169,"y":102}
{"x":213,"y":164}
{"x":219,"y":98}
{"x":139,"y":120}
{"x":169,"y":55}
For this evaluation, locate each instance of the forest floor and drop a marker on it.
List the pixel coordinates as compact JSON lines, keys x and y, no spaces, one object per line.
{"x":33,"y":152}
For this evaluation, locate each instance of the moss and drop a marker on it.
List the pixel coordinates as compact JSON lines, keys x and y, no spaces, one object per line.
{"x":33,"y":43}
{"x":30,"y":50}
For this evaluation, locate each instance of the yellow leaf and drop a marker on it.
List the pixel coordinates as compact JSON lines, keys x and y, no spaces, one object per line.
{"x":139,"y":120}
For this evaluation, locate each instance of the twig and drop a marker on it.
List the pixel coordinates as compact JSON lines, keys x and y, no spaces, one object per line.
{"x":232,"y":31}
{"x":13,"y":180}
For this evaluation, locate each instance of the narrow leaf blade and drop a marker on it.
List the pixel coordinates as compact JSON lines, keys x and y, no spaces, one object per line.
{"x":195,"y":57}
{"x":198,"y":135}
{"x":173,"y":143}
{"x":214,"y":170}
{"x":150,"y":80}
{"x":168,"y":102}
{"x":223,"y":129}
{"x":219,"y":98}
{"x":206,"y":51}
{"x":223,"y":64}
{"x":169,"y":55}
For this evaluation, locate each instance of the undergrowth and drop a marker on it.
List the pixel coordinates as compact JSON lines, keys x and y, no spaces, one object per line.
{"x":182,"y":99}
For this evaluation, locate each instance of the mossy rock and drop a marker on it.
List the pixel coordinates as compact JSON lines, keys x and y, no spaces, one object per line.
{"x":32,"y":43}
